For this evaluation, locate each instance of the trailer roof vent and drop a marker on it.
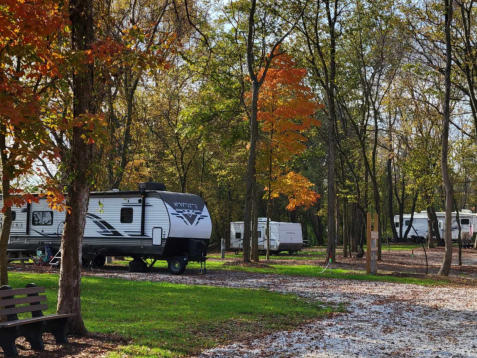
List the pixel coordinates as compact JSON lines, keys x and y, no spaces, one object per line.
{"x":151,"y":186}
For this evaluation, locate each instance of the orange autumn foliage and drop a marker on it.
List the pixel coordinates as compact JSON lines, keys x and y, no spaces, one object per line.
{"x":297,"y":189}
{"x":29,"y":64}
{"x":27,"y":29}
{"x":286,"y":111}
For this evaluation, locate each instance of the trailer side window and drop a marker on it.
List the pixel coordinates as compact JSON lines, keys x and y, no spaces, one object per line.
{"x":126,"y":215}
{"x":396,"y":224}
{"x":464,"y":221}
{"x":40,"y":218}
{"x":259,"y":234}
{"x":14,"y":215}
{"x":238,"y":235}
{"x":407,"y":222}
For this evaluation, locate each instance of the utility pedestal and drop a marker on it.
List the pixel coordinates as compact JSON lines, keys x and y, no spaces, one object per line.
{"x":372,"y":236}
{"x":222,"y":248}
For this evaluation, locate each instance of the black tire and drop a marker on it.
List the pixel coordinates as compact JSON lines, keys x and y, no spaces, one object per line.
{"x":137,"y":265}
{"x":98,"y":261}
{"x":292,"y":252}
{"x":86,"y":262}
{"x":177,"y":265}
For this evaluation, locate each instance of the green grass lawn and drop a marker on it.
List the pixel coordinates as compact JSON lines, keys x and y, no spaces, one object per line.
{"x":170,"y":320}
{"x":399,"y":247}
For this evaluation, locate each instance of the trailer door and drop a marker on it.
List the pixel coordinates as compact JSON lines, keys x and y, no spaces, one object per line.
{"x":19,"y":220}
{"x":157,"y":236}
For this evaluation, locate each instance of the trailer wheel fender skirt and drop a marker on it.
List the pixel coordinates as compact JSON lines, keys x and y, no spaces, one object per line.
{"x":98,"y":261}
{"x":86,"y":261}
{"x":177,"y":265}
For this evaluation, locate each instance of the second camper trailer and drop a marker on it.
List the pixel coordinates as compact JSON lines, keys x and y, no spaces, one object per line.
{"x":284,"y":236}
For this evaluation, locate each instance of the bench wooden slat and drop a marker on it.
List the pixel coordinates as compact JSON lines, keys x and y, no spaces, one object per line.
{"x":20,"y":322}
{"x":22,"y":309}
{"x":21,"y":291}
{"x":20,"y":300}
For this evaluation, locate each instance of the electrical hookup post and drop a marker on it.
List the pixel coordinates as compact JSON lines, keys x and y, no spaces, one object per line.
{"x":222,"y":248}
{"x":372,"y":236}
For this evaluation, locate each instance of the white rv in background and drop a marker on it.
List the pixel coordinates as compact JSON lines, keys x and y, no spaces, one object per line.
{"x":419,"y":228}
{"x":284,"y":236}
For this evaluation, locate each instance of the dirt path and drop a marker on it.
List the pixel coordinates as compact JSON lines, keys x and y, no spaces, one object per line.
{"x":383,"y":319}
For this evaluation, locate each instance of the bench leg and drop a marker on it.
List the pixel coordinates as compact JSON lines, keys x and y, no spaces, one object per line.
{"x":33,"y":334}
{"x":7,"y":342}
{"x":58,"y":328}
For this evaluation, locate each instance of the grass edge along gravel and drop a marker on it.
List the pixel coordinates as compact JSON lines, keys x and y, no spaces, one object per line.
{"x":172,"y":320}
{"x":333,"y":273}
{"x":307,"y":271}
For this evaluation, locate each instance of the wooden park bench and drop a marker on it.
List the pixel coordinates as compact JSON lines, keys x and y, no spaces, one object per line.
{"x":31,"y":328}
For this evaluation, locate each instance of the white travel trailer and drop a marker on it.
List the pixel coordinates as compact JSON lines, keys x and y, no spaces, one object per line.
{"x":144,"y":224}
{"x":419,"y":228}
{"x":468,"y":221}
{"x":284,"y":236}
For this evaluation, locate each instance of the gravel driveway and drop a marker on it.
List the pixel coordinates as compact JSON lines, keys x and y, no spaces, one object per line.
{"x":383,"y":319}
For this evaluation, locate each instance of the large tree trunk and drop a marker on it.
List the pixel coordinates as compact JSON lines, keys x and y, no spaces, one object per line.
{"x":331,"y":91}
{"x":79,"y":167}
{"x":7,"y":215}
{"x":251,"y":170}
{"x":446,"y":263}
{"x":331,"y":250}
{"x":251,"y":178}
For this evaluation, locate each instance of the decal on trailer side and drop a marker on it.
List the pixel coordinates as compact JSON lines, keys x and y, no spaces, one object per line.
{"x":190,"y":211}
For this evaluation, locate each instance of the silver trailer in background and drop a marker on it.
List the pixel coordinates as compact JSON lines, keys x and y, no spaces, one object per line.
{"x":144,"y":224}
{"x":284,"y":236}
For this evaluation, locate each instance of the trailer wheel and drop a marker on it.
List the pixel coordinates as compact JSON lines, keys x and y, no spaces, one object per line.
{"x":86,"y":262}
{"x":137,"y":265}
{"x":177,"y":265}
{"x":98,"y":261}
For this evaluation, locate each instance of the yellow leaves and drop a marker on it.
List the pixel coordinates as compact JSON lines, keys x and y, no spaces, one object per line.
{"x":136,"y":171}
{"x":55,"y":199}
{"x":93,"y":125}
{"x":298,"y":189}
